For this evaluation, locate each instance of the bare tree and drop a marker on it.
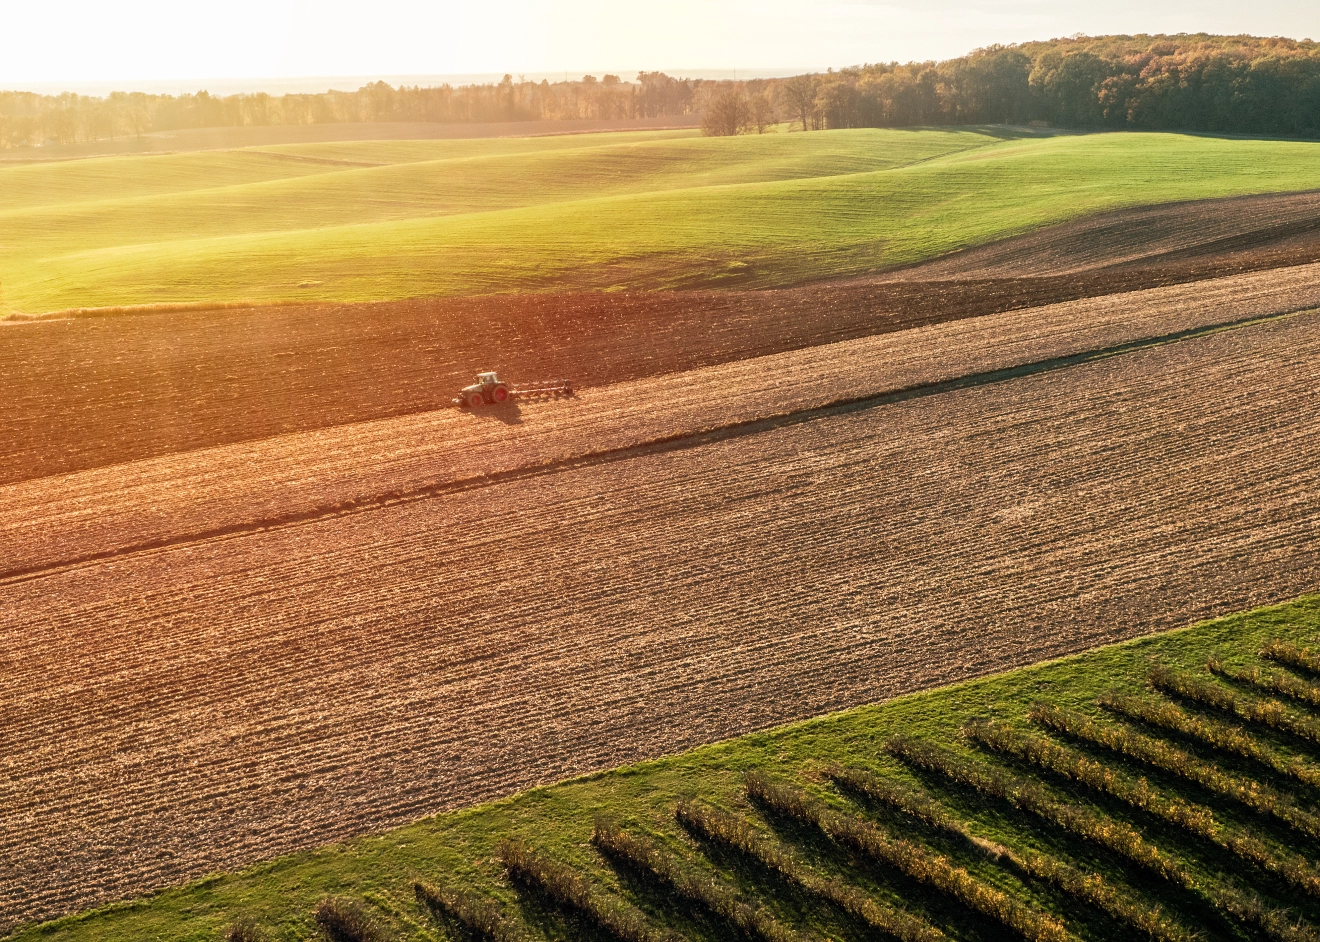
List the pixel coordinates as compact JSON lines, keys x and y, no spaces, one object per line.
{"x":727,"y":113}
{"x":799,"y":94}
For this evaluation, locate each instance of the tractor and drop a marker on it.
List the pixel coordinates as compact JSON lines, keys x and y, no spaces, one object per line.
{"x":489,"y":389}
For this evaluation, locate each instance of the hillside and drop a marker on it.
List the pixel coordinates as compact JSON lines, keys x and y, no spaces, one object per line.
{"x":648,"y":211}
{"x":1009,"y":807}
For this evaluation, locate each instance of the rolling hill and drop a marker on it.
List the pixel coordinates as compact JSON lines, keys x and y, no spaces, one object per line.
{"x":643,"y":211}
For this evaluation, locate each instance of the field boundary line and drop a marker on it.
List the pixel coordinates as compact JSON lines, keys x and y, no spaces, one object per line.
{"x":679,"y":441}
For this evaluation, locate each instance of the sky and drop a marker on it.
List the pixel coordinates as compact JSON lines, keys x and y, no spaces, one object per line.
{"x":87,"y":45}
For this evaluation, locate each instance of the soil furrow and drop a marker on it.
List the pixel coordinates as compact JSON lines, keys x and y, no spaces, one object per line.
{"x":79,"y":519}
{"x":229,"y":701}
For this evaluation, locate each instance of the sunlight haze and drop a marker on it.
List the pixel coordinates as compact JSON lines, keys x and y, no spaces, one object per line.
{"x":84,"y":42}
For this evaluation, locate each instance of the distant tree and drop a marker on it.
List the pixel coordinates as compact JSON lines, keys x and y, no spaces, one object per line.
{"x":799,"y":97}
{"x":762,"y":112}
{"x":840,"y":103}
{"x":727,"y":113}
{"x":662,"y":95}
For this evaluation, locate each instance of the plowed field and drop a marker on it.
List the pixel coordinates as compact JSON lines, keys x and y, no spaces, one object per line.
{"x":211,"y":704}
{"x":89,"y":392}
{"x":74,"y":518}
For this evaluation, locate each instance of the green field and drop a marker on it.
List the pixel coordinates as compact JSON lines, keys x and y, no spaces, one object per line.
{"x":650,"y":210}
{"x":1217,"y":842}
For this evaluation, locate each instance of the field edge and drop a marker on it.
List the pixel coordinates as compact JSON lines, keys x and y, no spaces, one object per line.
{"x":339,"y":865}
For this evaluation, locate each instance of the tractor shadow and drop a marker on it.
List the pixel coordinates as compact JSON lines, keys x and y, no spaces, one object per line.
{"x":507,"y":412}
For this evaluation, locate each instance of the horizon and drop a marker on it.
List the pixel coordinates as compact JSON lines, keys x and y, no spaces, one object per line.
{"x":317,"y":84}
{"x":277,"y":85}
{"x":86,"y":46}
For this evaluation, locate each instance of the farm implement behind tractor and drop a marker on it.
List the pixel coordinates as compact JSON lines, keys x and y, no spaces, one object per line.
{"x":489,"y":389}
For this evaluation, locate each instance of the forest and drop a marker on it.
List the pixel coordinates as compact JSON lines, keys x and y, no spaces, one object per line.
{"x":1216,"y":84}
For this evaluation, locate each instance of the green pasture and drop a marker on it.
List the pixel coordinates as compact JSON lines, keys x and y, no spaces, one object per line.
{"x":457,"y":849}
{"x":643,"y":210}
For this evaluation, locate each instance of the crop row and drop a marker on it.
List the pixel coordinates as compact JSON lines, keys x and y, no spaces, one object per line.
{"x":1116,"y":837}
{"x":1268,"y":713}
{"x":1294,"y":655}
{"x":699,"y":888}
{"x":1178,"y":762}
{"x":1088,"y":887}
{"x":734,"y":833}
{"x":1275,"y":682}
{"x":907,"y":857}
{"x":480,"y":918}
{"x":1218,"y":735}
{"x":571,"y":891}
{"x":1197,"y":820}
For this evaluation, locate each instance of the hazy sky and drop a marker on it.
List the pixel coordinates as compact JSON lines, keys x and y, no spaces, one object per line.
{"x":81,"y":41}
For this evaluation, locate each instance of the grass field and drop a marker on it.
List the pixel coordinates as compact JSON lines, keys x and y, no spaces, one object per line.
{"x":1219,"y":859}
{"x":378,"y":220}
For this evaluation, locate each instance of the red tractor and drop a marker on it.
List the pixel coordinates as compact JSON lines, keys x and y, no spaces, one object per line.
{"x":489,"y":389}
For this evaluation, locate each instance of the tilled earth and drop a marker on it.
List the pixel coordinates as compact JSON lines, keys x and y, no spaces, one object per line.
{"x":79,"y":518}
{"x":255,"y":596}
{"x":83,"y":393}
{"x":216,"y":703}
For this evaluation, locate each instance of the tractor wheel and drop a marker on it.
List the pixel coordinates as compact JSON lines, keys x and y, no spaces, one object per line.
{"x":474,"y":400}
{"x":500,"y":394}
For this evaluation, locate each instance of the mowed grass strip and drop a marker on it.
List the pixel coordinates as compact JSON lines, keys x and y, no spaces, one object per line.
{"x":748,"y":212}
{"x":460,"y":850}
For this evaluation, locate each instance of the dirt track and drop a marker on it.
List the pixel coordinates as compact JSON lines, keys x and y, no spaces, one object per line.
{"x":231,"y":700}
{"x":88,"y":393}
{"x":64,"y":519}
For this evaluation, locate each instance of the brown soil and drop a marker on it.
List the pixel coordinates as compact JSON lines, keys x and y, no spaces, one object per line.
{"x":89,"y":392}
{"x":171,"y":713}
{"x":88,"y":515}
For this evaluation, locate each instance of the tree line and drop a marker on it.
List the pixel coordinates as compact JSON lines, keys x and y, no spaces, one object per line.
{"x":28,"y":119}
{"x":1217,"y":84}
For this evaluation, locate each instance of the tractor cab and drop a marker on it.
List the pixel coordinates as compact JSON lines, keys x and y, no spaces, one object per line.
{"x":487,"y":389}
